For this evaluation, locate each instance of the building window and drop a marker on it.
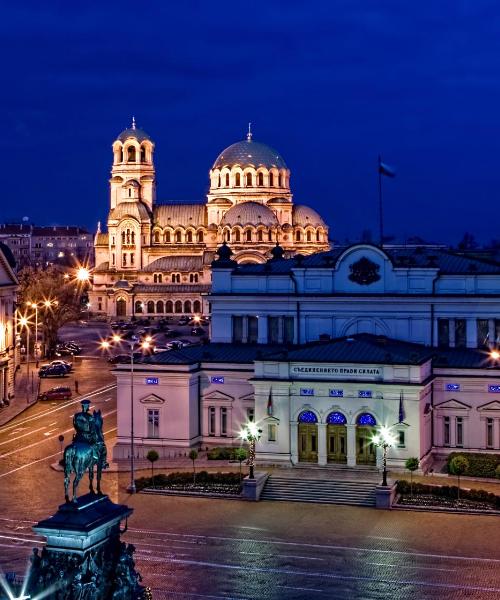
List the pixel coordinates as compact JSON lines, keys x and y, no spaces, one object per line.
{"x":260,"y":235}
{"x":260,"y":179}
{"x":273,"y":330}
{"x":271,"y":179}
{"x":237,"y":325}
{"x":443,"y":333}
{"x":157,"y":278}
{"x":227,"y":179}
{"x":223,"y":421}
{"x":249,"y":179}
{"x":237,"y":180}
{"x":189,"y":237}
{"x":460,"y":431}
{"x":253,"y":328}
{"x":153,"y":423}
{"x":482,"y":333}
{"x":271,"y":432}
{"x":151,"y":307}
{"x":196,"y":306}
{"x":176,"y":277}
{"x":288,"y":330}
{"x":124,"y":260}
{"x":446,"y":431}
{"x":156,"y":237}
{"x":280,"y":180}
{"x":138,"y":306}
{"x":298,"y":237}
{"x":113,"y":259}
{"x":169,"y":306}
{"x":460,"y":333}
{"x":178,"y":237}
{"x":236,"y":235}
{"x":159,"y":307}
{"x":178,"y":306}
{"x":166,"y":237}
{"x":132,"y":258}
{"x":211,"y":420}
{"x":248,"y":234}
{"x":401,"y":439}
{"x":309,"y":236}
{"x":131,"y":156}
{"x":200,"y":237}
{"x":489,"y":433}
{"x":250,"y":414}
{"x":193,"y":278}
{"x":187,"y":306}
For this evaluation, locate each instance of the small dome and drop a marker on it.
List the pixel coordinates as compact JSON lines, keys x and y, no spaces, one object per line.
{"x":137,"y":210}
{"x":304,"y":215}
{"x":249,"y":212}
{"x":133,"y":132}
{"x":248,"y":153}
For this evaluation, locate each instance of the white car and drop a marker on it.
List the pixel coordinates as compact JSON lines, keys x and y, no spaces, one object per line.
{"x":63,"y":363}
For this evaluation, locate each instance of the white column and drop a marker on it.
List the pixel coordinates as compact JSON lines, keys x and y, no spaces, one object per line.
{"x":262,"y":329}
{"x":351,"y":445}
{"x":294,"y":433}
{"x":322,"y":457}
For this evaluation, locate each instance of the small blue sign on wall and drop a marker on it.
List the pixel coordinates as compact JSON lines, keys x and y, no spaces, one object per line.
{"x":364,"y":393}
{"x":452,"y":387}
{"x":216,"y":379}
{"x":336,"y":393}
{"x":494,"y":389}
{"x":152,"y":381}
{"x":307,"y":391}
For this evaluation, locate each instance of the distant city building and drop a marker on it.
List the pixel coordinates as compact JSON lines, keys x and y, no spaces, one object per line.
{"x":155,"y":258}
{"x":8,"y":290}
{"x":322,"y":350}
{"x":41,"y":246}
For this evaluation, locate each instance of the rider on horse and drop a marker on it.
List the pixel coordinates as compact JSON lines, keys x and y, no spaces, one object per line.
{"x":84,"y":425}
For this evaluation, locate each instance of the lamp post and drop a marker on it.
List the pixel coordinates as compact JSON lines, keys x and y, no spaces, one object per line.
{"x":385,"y":440}
{"x":134,"y":343}
{"x":23,"y":321}
{"x":35,"y":348}
{"x":251,"y":434}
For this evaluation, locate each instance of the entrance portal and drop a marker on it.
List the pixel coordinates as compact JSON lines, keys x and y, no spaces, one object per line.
{"x":336,"y":438}
{"x":308,"y":437}
{"x":365,"y":449}
{"x":121,"y":308}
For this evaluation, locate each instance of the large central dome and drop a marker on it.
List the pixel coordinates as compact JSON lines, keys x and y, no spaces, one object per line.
{"x":249,"y":153}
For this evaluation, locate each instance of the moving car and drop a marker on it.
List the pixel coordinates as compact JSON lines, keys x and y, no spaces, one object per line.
{"x":52,"y":371}
{"x":119,"y":359}
{"x":55,"y":393}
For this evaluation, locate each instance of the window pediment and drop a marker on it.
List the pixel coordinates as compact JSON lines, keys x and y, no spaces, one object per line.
{"x":152,"y":399}
{"x":493,"y":406}
{"x":218,"y":395}
{"x":452,"y":405}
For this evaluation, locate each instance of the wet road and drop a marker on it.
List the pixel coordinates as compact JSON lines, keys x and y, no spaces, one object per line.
{"x":219,"y":549}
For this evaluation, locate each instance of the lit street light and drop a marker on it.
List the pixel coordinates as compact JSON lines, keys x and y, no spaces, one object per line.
{"x":82,"y":274}
{"x":251,"y":434}
{"x":24,"y":322}
{"x":384,"y":439}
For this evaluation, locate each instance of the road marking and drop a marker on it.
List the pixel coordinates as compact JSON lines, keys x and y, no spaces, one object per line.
{"x":319,"y":546}
{"x":409,"y":567}
{"x":282,"y":556}
{"x":34,"y":462}
{"x":20,"y":539}
{"x":23,"y":435}
{"x":300,"y":589}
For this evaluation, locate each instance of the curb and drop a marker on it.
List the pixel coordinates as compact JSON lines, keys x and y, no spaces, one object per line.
{"x":437,"y":509}
{"x":192,"y":494}
{"x":24,"y":409}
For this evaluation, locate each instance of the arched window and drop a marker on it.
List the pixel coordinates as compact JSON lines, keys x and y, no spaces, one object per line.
{"x":166,"y":237}
{"x":132,"y":237}
{"x":270,"y":235}
{"x":189,"y":237}
{"x":248,"y":235}
{"x":309,"y":237}
{"x":157,"y":278}
{"x":197,"y":306}
{"x":366,"y":419}
{"x":121,"y":154}
{"x":318,"y":236}
{"x":159,"y":306}
{"x":218,"y":181}
{"x":200,"y":237}
{"x":237,"y":180}
{"x":176,"y":278}
{"x":178,"y":306}
{"x":138,"y":306}
{"x":227,"y":235}
{"x":151,"y":306}
{"x":236,"y":235}
{"x":280,"y":180}
{"x":169,"y":306}
{"x":143,"y":154}
{"x":124,"y":259}
{"x":156,"y":237}
{"x":193,"y":278}
{"x":123,"y":237}
{"x":177,"y":237}
{"x":271,"y":179}
{"x":227,"y":179}
{"x":131,"y":154}
{"x":260,"y":235}
{"x":298,"y":236}
{"x":249,"y":179}
{"x":260,"y":179}
{"x":187,"y":306}
{"x":132,"y":258}
{"x":307,"y":416}
{"x":336,"y":418}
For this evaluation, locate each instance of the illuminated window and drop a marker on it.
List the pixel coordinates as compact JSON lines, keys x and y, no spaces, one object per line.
{"x":307,"y":416}
{"x":336,"y":418}
{"x":271,"y":432}
{"x":153,"y":423}
{"x":366,"y":419}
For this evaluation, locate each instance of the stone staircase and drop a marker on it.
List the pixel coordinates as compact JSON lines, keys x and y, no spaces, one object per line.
{"x":324,"y":491}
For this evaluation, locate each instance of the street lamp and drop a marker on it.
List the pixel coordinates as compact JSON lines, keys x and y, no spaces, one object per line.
{"x":384,"y":439}
{"x":82,"y":274}
{"x":24,"y":322}
{"x":134,"y":343}
{"x":36,"y":306}
{"x":251,"y":434}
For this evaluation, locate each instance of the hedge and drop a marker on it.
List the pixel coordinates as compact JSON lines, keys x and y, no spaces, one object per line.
{"x":448,"y":491}
{"x":183,"y":478}
{"x":480,"y":465}
{"x":222,"y":454}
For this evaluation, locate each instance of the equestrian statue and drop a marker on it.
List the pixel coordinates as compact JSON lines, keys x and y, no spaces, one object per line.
{"x":87,"y":450}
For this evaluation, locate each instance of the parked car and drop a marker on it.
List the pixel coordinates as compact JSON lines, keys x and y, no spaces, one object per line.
{"x":67,"y":365}
{"x":172,"y":333}
{"x":56,"y":393}
{"x":176,"y":345}
{"x":197,"y":331}
{"x":184,"y":320}
{"x":119,"y":359}
{"x":49,"y":371}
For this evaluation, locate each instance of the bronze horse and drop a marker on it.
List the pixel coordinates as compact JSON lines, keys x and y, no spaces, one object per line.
{"x":81,"y":456}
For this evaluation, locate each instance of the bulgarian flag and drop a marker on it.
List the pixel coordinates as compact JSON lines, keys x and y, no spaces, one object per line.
{"x":386,"y":170}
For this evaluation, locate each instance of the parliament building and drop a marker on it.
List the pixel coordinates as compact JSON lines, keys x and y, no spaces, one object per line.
{"x":154,"y":259}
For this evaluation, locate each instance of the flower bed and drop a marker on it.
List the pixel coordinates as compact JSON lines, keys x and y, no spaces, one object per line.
{"x":206,"y":483}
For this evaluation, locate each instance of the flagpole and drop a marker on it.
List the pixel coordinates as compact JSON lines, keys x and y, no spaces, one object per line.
{"x":380,"y":200}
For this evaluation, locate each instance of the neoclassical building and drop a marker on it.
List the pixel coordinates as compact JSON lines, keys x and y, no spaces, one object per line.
{"x":155,"y":258}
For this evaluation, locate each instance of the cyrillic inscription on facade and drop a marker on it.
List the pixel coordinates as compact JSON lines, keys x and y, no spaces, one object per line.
{"x":336,"y":371}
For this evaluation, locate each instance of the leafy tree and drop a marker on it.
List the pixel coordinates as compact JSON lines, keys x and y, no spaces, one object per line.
{"x":411,"y":464}
{"x":152,"y":456}
{"x":193,"y":455}
{"x":458,"y":466}
{"x":240,"y":455}
{"x":497,"y":471}
{"x":40,"y":285}
{"x":468,"y":242}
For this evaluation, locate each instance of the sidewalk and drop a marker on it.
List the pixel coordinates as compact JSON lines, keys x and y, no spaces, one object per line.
{"x":25,"y":394}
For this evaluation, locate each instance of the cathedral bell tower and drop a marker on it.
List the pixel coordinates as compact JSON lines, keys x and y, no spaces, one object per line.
{"x":133,"y":171}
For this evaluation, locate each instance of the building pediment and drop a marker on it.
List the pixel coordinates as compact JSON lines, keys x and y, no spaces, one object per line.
{"x":152,"y":399}
{"x":452,"y":404}
{"x":494,"y":405}
{"x":218,"y":395}
{"x":248,"y":397}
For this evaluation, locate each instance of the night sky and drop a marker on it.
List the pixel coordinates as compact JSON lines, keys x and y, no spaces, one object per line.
{"x":329,"y":84}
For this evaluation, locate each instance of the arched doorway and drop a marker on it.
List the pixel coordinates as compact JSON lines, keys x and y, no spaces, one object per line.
{"x":365,"y":430}
{"x":336,"y":438}
{"x":308,"y":436}
{"x":121,"y":307}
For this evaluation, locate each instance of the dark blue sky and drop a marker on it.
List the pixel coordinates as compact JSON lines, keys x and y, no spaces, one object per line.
{"x":329,"y":84}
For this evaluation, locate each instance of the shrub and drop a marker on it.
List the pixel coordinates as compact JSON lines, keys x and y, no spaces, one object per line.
{"x":448,"y":491}
{"x":181,"y":478}
{"x":458,"y":465}
{"x":412,"y":465}
{"x":480,"y":465}
{"x":222,"y":454}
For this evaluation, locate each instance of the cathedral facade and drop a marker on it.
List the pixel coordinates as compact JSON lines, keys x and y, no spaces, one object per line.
{"x":155,"y":259}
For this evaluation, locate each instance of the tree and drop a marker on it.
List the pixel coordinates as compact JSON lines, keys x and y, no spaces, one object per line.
{"x":193,"y":455}
{"x":49,"y":284}
{"x":468,"y":242}
{"x":411,"y":464}
{"x":458,"y":466}
{"x":152,"y":456}
{"x":240,"y":455}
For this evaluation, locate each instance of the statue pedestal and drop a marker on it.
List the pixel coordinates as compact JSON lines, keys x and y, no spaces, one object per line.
{"x":84,"y":558}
